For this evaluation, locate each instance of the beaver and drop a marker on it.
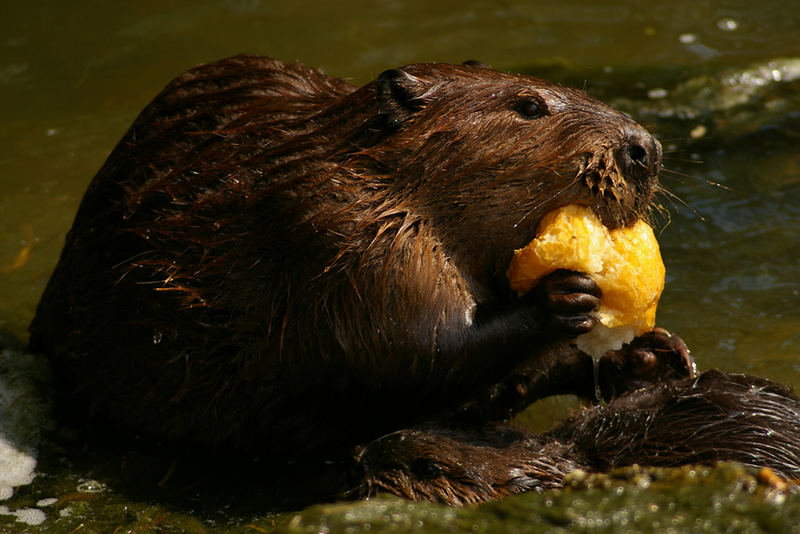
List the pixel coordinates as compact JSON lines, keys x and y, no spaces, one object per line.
{"x":273,"y":259}
{"x":713,"y":417}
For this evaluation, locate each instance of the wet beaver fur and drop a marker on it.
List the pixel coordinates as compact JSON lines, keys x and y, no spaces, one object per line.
{"x":713,"y":417}
{"x":275,"y":260}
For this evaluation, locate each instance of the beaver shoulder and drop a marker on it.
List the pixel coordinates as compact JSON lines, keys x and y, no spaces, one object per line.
{"x":274,"y":259}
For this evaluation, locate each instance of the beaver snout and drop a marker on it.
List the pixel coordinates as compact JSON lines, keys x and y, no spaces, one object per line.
{"x":622,"y":175}
{"x":639,"y":151}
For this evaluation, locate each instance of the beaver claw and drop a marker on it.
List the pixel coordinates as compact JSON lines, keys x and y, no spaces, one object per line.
{"x":569,"y":298}
{"x":649,"y":358}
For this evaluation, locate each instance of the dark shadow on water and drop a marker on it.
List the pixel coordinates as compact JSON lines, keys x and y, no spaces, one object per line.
{"x":121,"y":478}
{"x":212,"y":486}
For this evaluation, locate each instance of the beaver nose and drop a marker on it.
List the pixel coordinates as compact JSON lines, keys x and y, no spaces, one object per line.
{"x":640,"y":150}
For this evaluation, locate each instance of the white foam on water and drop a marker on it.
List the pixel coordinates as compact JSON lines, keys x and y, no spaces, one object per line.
{"x":24,"y":415}
{"x":30,"y":516}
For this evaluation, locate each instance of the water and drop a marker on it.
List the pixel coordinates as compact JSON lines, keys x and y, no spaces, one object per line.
{"x":73,"y":75}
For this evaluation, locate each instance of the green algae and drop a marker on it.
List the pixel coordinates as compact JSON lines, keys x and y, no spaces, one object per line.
{"x":727,"y":498}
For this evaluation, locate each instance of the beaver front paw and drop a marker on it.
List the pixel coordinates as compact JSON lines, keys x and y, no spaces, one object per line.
{"x":649,"y":358}
{"x":568,"y":298}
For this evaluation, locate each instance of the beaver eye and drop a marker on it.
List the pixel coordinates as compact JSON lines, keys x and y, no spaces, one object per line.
{"x":423,"y":469}
{"x":530,"y":108}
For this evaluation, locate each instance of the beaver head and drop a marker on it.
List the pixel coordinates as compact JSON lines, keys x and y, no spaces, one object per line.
{"x":485,"y":154}
{"x":461,"y":467}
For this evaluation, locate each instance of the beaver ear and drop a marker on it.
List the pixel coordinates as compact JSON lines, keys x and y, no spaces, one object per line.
{"x":400,"y":94}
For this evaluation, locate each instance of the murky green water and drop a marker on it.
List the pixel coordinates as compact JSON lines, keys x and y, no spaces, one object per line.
{"x":73,"y":75}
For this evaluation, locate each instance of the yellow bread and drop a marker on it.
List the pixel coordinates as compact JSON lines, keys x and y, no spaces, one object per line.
{"x":625,"y":263}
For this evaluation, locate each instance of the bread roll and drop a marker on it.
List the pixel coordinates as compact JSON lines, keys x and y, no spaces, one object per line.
{"x":625,"y":263}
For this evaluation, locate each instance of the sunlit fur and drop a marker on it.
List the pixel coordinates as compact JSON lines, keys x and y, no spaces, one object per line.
{"x":462,"y":467}
{"x":274,"y":259}
{"x":714,"y":417}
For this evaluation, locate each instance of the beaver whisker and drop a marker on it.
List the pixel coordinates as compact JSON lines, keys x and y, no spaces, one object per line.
{"x":658,"y":211}
{"x":690,"y":177}
{"x":678,"y":176}
{"x":581,"y":171}
{"x":682,"y":160}
{"x":677,"y":201}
